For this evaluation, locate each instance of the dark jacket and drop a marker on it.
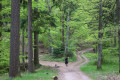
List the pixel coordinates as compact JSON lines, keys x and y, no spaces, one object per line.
{"x":66,"y":60}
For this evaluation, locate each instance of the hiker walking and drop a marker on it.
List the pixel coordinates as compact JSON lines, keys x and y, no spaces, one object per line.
{"x":66,"y":61}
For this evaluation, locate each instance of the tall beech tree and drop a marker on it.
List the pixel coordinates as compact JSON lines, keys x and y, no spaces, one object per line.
{"x":100,"y":34}
{"x":30,"y":48}
{"x":36,"y":55}
{"x":67,"y":34}
{"x":14,"y":38}
{"x":0,"y":20}
{"x":61,"y":5}
{"x":63,"y":24}
{"x":118,"y":23}
{"x":50,"y":50}
{"x":23,"y":21}
{"x":114,"y":23}
{"x":69,"y":8}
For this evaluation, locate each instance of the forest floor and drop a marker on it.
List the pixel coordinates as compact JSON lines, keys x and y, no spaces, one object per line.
{"x":72,"y":71}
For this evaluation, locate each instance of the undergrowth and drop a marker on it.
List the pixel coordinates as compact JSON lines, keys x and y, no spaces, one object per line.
{"x":109,"y":65}
{"x":43,"y":73}
{"x":48,"y":57}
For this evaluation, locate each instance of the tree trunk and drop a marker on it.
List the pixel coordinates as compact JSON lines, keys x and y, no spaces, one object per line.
{"x":100,"y":34}
{"x":23,"y":37}
{"x":0,"y":20}
{"x":23,"y":59}
{"x":119,"y":47}
{"x":14,"y":39}
{"x":115,"y":42}
{"x":63,"y":30}
{"x":118,"y":23}
{"x":36,"y":55}
{"x":0,"y":23}
{"x":50,"y":49}
{"x":67,"y":34}
{"x":111,"y":35}
{"x":30,"y":49}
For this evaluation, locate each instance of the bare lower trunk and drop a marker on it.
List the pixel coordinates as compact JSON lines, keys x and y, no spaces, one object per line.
{"x":111,"y":38}
{"x":119,"y":47}
{"x":30,"y":50}
{"x":14,"y":39}
{"x":36,"y":56}
{"x":23,"y":59}
{"x":99,"y":56}
{"x":100,"y":34}
{"x":115,"y":43}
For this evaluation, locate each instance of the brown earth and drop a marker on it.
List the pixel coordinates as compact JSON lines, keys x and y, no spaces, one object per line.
{"x":72,"y":72}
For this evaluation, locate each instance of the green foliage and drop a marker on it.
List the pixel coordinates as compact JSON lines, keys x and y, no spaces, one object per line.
{"x":95,"y":74}
{"x":6,"y":28}
{"x":110,"y":56}
{"x":91,"y":56}
{"x":108,"y":67}
{"x":83,"y":32}
{"x":106,"y":44}
{"x":44,"y":73}
{"x":69,"y":53}
{"x":48,"y":57}
{"x":4,"y":54}
{"x":6,"y":10}
{"x":58,"y":52}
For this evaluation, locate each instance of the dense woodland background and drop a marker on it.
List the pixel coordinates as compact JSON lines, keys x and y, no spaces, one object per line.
{"x":60,"y":28}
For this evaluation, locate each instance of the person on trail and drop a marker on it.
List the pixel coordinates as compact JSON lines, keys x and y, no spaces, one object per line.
{"x":66,"y":61}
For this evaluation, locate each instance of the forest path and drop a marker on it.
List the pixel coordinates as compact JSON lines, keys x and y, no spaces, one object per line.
{"x":72,"y":72}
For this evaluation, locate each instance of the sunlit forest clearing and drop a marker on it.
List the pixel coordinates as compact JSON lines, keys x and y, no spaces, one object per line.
{"x":59,"y":39}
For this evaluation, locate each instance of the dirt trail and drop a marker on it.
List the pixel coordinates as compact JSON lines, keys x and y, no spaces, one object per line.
{"x":72,"y":72}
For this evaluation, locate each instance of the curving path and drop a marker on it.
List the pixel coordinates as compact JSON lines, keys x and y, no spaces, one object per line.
{"x":72,"y":72}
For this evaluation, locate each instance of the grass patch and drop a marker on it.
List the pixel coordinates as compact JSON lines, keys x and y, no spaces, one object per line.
{"x":91,"y":56}
{"x":109,"y":66}
{"x":48,"y":57}
{"x":44,"y":73}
